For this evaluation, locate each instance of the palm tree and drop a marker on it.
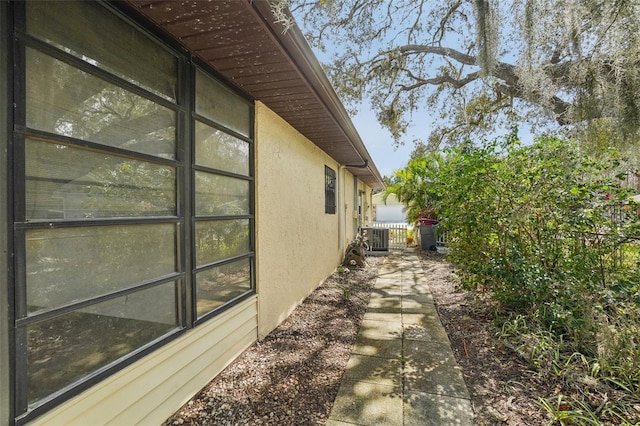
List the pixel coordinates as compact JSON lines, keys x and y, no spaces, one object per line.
{"x":415,"y":186}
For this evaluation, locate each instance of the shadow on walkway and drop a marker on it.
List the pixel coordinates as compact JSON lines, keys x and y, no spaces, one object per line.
{"x":402,"y":370}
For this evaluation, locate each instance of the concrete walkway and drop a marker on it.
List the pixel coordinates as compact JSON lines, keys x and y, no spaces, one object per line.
{"x":402,"y":370}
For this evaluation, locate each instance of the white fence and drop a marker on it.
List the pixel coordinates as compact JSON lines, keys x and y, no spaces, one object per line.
{"x":398,"y":233}
{"x":442,"y":238}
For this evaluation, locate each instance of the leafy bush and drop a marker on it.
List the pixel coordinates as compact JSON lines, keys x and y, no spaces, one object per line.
{"x":552,"y":236}
{"x":540,"y":227}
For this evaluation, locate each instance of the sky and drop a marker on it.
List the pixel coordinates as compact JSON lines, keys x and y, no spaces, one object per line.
{"x":379,"y":142}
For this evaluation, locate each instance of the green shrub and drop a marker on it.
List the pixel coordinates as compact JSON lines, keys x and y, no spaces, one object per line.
{"x":551,"y":235}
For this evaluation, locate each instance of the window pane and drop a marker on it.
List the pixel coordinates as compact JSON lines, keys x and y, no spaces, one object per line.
{"x":219,"y":150}
{"x":69,"y":183}
{"x":84,"y":30}
{"x":66,"y":348}
{"x":219,"y":104}
{"x":329,"y":190}
{"x":219,"y":285}
{"x":221,"y":195}
{"x":64,"y":100}
{"x":221,"y":239}
{"x":70,"y":264}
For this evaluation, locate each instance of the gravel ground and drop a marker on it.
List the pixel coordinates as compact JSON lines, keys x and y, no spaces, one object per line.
{"x":293,"y":375}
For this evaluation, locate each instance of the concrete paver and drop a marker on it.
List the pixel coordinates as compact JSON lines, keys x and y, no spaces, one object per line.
{"x":383,"y":316}
{"x":440,"y":379}
{"x":426,"y":409}
{"x":432,"y":332}
{"x":374,"y":370}
{"x":380,"y":329}
{"x":387,"y":348}
{"x":362,"y":403}
{"x":415,"y":303}
{"x":429,"y":352}
{"x":385,"y":304}
{"x":402,"y":370}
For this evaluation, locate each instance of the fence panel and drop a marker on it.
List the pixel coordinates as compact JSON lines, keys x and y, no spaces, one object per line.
{"x":398,"y":233}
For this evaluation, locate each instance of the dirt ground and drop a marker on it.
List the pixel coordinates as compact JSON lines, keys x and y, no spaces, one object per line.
{"x":293,"y":375}
{"x":502,"y":386}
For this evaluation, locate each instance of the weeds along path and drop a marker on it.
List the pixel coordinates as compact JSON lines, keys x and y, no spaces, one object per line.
{"x":502,"y":386}
{"x":519,"y":375}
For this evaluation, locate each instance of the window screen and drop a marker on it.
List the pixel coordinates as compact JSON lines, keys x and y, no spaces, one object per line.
{"x":133,"y":211}
{"x":329,"y":190}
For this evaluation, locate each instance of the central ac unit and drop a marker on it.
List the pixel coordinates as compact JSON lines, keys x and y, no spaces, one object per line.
{"x":377,"y":238}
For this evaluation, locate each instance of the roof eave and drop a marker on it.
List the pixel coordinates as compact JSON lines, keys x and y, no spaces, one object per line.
{"x":302,"y":55}
{"x":244,"y":43}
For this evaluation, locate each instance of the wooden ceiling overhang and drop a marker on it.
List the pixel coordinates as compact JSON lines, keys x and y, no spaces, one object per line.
{"x":242,"y":42}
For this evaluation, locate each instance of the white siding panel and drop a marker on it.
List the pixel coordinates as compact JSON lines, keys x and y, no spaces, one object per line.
{"x":391,"y":214}
{"x":200,"y":371}
{"x":150,"y":390}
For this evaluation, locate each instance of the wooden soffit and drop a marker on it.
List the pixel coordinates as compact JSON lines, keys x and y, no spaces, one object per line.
{"x":243,"y":43}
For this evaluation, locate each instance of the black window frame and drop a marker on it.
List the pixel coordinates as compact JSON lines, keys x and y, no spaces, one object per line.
{"x":18,"y":40}
{"x":329,"y":190}
{"x":6,"y":232}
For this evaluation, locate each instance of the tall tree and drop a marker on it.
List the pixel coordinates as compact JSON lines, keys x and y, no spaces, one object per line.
{"x":475,"y":65}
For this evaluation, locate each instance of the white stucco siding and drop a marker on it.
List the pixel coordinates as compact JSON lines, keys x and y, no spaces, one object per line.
{"x":394,"y":214}
{"x":297,"y":242}
{"x":389,"y":210}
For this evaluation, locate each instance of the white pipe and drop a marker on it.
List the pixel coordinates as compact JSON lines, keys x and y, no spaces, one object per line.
{"x":341,"y":209}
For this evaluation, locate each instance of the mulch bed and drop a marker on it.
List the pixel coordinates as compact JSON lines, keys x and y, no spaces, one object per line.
{"x":503,"y":387}
{"x":293,"y":375}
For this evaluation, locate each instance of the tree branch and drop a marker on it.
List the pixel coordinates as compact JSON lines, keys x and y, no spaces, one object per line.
{"x":438,"y":80}
{"x":439,"y":33}
{"x":438,"y":50}
{"x":502,"y":71}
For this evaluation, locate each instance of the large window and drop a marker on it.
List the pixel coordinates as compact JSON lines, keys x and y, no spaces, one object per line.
{"x":133,"y":213}
{"x":222,"y":195}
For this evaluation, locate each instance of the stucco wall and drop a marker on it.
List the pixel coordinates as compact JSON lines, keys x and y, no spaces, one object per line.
{"x":390,"y":211}
{"x":297,"y":243}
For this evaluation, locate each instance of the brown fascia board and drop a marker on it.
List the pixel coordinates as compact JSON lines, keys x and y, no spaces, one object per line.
{"x":297,"y":48}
